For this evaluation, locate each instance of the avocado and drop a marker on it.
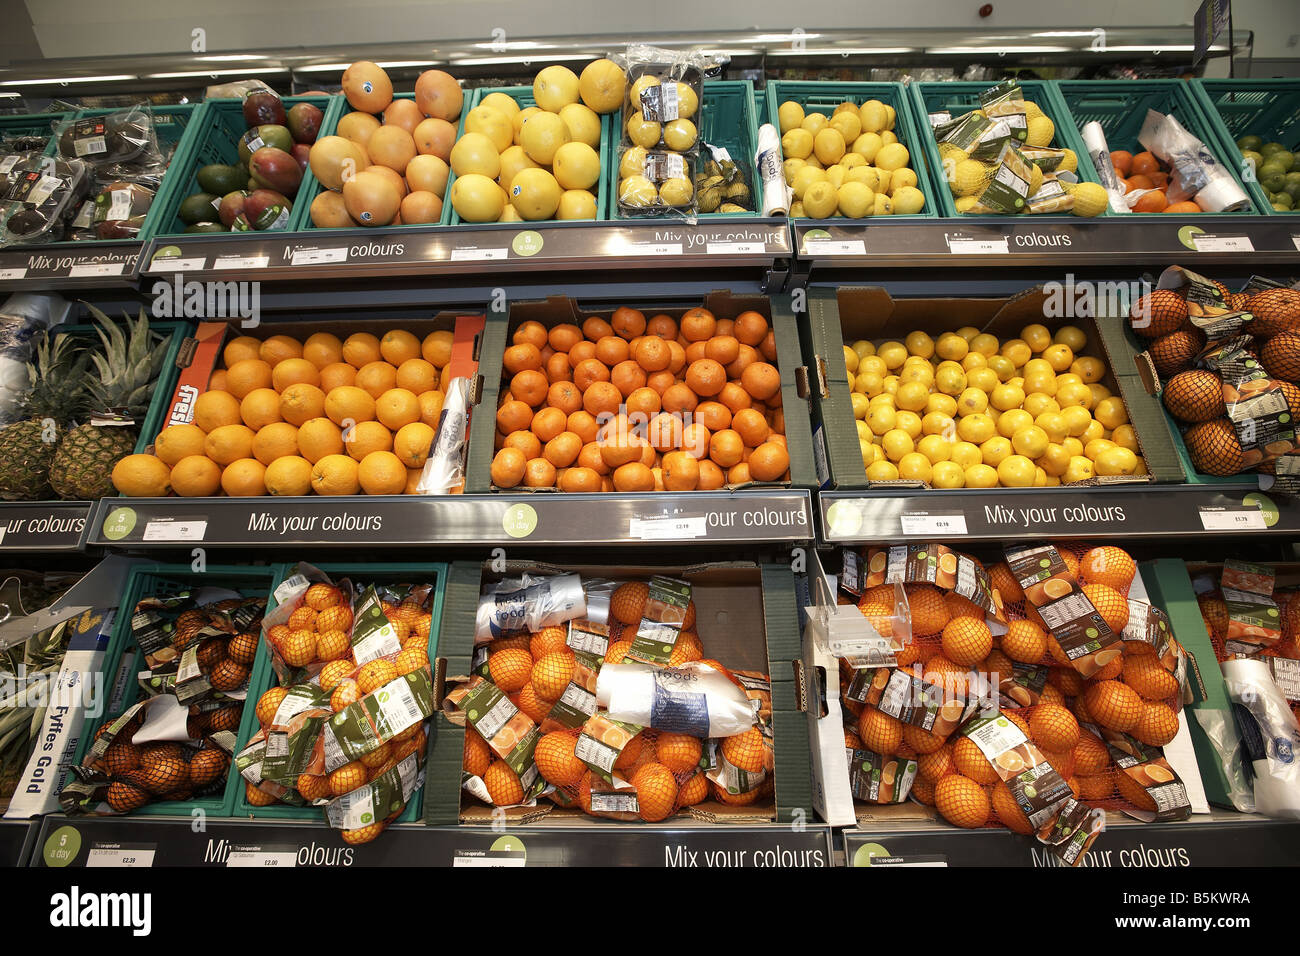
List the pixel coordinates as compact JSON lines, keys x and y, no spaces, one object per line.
{"x":219,"y":179}
{"x":200,"y":207}
{"x":259,"y":136}
{"x":205,"y":227}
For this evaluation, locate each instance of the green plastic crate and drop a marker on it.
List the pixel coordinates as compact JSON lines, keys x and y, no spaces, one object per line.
{"x":962,"y":97}
{"x":1121,"y":106}
{"x":820,"y":96}
{"x":1269,"y":109}
{"x":146,"y":580}
{"x":263,"y":676}
{"x":159,"y":404}
{"x":34,"y":124}
{"x":217,"y":126}
{"x":523,"y":95}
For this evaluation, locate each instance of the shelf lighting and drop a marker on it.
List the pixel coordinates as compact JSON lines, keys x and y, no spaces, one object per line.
{"x":71,"y":79}
{"x":192,"y":73}
{"x":846,"y":51}
{"x":1000,"y":51}
{"x":489,"y":60}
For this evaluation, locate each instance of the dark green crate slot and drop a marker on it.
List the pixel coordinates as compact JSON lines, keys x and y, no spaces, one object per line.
{"x":1269,"y":109}
{"x":34,"y":124}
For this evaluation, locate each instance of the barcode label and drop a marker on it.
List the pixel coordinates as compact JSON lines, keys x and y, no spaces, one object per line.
{"x":96,"y":269}
{"x":308,"y":257}
{"x":241,"y":262}
{"x":398,"y":706}
{"x":477,"y":255}
{"x":656,"y":529}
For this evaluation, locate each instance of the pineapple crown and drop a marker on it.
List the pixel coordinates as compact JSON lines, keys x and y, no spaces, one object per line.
{"x":57,"y":379}
{"x":128,"y":365}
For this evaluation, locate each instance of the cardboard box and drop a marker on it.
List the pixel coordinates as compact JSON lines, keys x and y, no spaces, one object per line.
{"x":840,"y":316}
{"x":558,"y":310}
{"x":746,"y":619}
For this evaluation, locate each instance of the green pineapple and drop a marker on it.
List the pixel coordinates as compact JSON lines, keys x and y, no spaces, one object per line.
{"x":57,"y":376}
{"x":127,"y":370}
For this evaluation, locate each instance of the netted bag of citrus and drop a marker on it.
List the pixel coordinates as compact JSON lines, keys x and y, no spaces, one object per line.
{"x":968,"y":410}
{"x":322,"y":416}
{"x":386,"y":163}
{"x":850,"y":164}
{"x":525,"y":164}
{"x":635,"y":404}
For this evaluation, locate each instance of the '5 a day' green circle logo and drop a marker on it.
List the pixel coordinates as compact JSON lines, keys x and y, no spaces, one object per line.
{"x":527,"y":243}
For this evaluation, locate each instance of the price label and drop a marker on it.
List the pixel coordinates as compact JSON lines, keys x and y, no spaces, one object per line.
{"x":179,"y":265}
{"x":241,"y":262}
{"x":654,"y":249}
{"x":920,"y":859}
{"x":12,"y":274}
{"x":167,"y":530}
{"x":835,"y":247}
{"x":933,"y":523}
{"x":978,"y":247}
{"x":667,"y":528}
{"x":477,"y":255}
{"x":311,"y":257}
{"x":1295,"y":241}
{"x":494,"y":859}
{"x":121,"y":854}
{"x":736,"y":248}
{"x":86,"y":269}
{"x":262,"y":856}
{"x":1208,"y":242}
{"x":1232,"y":519}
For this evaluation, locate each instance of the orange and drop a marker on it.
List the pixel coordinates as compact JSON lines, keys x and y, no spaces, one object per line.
{"x":734,"y":397}
{"x":921,"y":740}
{"x":1005,"y":583}
{"x":344,"y":695}
{"x":1111,"y":670}
{"x":503,"y":785}
{"x":750,"y":328}
{"x":726,"y":448}
{"x":943,"y":673}
{"x":260,"y":407}
{"x":376,"y":378}
{"x":562,"y":450}
{"x":680,"y":753}
{"x":292,"y":372}
{"x":652,"y":354}
{"x":367,"y":437}
{"x":179,"y":441}
{"x":633,"y":476}
{"x":214,"y":409}
{"x":698,"y":325}
{"x":656,"y":792}
{"x":412,"y":443}
{"x":627,"y":323}
{"x":556,"y":760}
{"x":277,"y":348}
{"x":962,"y":801}
{"x":196,"y":476}
{"x":244,"y":478}
{"x":1053,"y":727}
{"x":936,"y":765}
{"x":1122,"y":160}
{"x":612,"y":350}
{"x":970,"y":761}
{"x":332,"y":645}
{"x":681,"y":472}
{"x":564,"y":337}
{"x":531,"y":703}
{"x":397,"y":407}
{"x":510,"y":669}
{"x":595,"y":328}
{"x":966,"y":640}
{"x":322,"y":349}
{"x":1157,"y":725}
{"x":1145,"y":674}
{"x":436,"y":348}
{"x":1067,"y":680}
{"x":398,"y":345}
{"x":241,"y":348}
{"x":431,"y":407}
{"x":1183,"y":207}
{"x":1144,"y":163}
{"x":1007,"y":811}
{"x":335,"y":475}
{"x":752,"y":427}
{"x":693,"y":791}
{"x":336,"y":374}
{"x":228,"y":443}
{"x":1107,"y":565}
{"x":553,"y":672}
{"x":530,"y":386}
{"x":1153,"y":201}
{"x":1024,"y":641}
{"x":548,"y":422}
{"x":478,"y":755}
{"x":361,"y":348}
{"x":508,"y":467}
{"x":549,"y":640}
{"x":761,"y":380}
{"x":879,"y":731}
{"x":514,"y":416}
{"x":705,"y":377}
{"x":289,"y":475}
{"x":1114,"y":705}
{"x":579,"y":479}
{"x":1090,"y":754}
{"x":746,"y":751}
{"x":769,"y":462}
{"x":348,"y":405}
{"x":317,"y":438}
{"x":375,"y":674}
{"x":929,"y":613}
{"x":588,"y":372}
{"x":1112,"y":605}
{"x":301,"y":402}
{"x":243,"y":377}
{"x":517,"y":358}
{"x":382,"y":473}
{"x":628,"y":602}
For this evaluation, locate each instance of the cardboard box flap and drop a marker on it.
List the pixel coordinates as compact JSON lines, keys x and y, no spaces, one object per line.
{"x":1023,"y":308}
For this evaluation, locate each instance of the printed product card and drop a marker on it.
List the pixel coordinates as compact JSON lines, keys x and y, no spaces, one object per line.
{"x":510,"y":733}
{"x":378,"y":717}
{"x":661,"y":623}
{"x":937,"y":564}
{"x":877,"y":778}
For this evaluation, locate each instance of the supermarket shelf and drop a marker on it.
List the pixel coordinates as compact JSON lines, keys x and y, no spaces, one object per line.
{"x":999,"y":242}
{"x":87,"y":265}
{"x":999,"y":514}
{"x":505,"y":248}
{"x":112,"y":841}
{"x":16,"y":840}
{"x":42,"y":525}
{"x":1220,"y":838}
{"x":723,"y":517}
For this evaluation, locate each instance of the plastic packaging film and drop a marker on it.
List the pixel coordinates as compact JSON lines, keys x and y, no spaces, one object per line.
{"x":775,"y":193}
{"x":1270,"y":735}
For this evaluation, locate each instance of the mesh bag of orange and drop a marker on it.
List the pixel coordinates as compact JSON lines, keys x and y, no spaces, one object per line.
{"x":618,"y":716}
{"x":175,"y":743}
{"x":346,"y":733}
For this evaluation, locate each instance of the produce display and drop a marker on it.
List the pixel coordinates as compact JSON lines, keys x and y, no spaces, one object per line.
{"x":626,"y":403}
{"x":257,"y":191}
{"x":1229,"y":367}
{"x":615,"y":713}
{"x":1147,"y":178}
{"x":1276,"y":171}
{"x":993,"y":715}
{"x":999,"y":160}
{"x":970,"y":411}
{"x":386,"y":162}
{"x":82,"y":412}
{"x":343,"y":726}
{"x":850,"y":164}
{"x":174,"y":744}
{"x":516,"y":163}
{"x":324,"y":416}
